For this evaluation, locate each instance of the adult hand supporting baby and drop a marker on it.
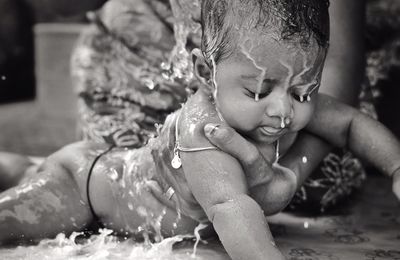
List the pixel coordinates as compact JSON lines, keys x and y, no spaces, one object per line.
{"x":272,"y":185}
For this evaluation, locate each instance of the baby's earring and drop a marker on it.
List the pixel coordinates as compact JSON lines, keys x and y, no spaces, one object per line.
{"x":308,"y":98}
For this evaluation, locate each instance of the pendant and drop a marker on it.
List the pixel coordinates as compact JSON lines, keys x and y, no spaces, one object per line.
{"x":176,"y":161}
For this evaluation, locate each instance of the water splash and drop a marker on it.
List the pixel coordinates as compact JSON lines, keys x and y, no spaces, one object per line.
{"x":105,"y":246}
{"x":200,"y":227}
{"x":179,"y":64}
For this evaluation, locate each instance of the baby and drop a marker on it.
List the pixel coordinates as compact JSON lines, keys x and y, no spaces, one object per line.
{"x":260,"y":65}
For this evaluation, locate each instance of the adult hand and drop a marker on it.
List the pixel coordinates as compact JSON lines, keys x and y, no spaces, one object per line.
{"x":229,"y":141}
{"x":270,"y":184}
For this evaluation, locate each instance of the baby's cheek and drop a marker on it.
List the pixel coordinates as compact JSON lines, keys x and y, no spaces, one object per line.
{"x":240,"y":114}
{"x":303,"y":113}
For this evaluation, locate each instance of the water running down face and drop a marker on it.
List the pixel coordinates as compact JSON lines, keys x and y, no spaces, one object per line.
{"x":265,"y":89}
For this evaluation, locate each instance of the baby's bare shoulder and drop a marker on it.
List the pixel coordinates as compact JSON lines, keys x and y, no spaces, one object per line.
{"x":197,"y":112}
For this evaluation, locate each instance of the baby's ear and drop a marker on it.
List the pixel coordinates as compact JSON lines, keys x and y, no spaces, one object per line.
{"x":201,"y":69}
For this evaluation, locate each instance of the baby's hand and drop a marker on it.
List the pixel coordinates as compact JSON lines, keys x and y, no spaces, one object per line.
{"x":396,"y":183}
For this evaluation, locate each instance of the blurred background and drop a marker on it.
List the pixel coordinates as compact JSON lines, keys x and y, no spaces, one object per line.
{"x":37,"y":101}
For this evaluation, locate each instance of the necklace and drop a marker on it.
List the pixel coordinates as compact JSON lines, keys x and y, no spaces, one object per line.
{"x":176,"y":162}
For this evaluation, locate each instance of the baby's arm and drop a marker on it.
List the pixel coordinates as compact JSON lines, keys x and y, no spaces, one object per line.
{"x":219,"y":185}
{"x":368,"y":139}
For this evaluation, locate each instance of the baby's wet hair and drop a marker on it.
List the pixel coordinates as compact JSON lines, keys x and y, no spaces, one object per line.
{"x":297,"y":20}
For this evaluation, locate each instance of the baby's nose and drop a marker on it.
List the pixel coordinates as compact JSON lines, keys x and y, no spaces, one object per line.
{"x":281,"y":107}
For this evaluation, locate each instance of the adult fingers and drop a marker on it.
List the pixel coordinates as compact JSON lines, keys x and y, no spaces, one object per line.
{"x":229,"y":141}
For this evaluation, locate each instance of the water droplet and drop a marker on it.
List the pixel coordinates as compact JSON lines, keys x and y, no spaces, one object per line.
{"x":306,"y":224}
{"x":149,"y":83}
{"x":113,"y":174}
{"x":304,"y":159}
{"x":257,"y":97}
{"x":282,"y":123}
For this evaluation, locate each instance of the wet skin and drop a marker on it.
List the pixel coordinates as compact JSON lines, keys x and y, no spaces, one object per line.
{"x":53,"y":199}
{"x":217,"y":179}
{"x":282,"y":74}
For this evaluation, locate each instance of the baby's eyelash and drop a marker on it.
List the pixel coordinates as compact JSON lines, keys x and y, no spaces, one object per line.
{"x":254,"y":95}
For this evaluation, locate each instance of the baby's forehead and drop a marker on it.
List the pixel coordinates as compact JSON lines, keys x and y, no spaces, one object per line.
{"x":271,"y":47}
{"x":278,"y":57}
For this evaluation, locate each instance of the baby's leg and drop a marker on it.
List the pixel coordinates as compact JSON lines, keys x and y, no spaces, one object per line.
{"x":49,"y":201}
{"x":12,"y":169}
